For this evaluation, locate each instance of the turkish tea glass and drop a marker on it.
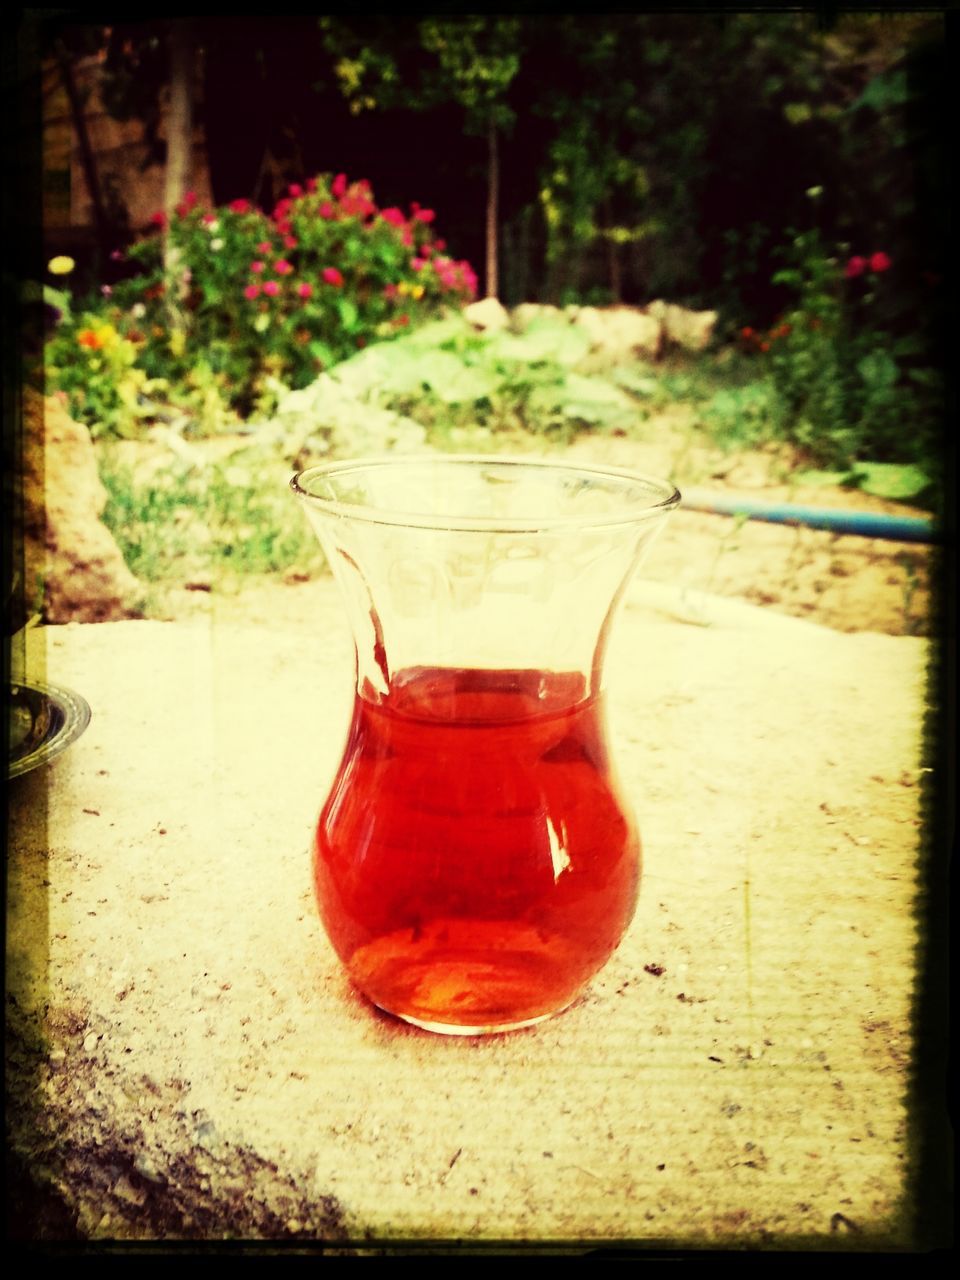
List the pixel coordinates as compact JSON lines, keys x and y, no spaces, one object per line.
{"x":475,"y":862}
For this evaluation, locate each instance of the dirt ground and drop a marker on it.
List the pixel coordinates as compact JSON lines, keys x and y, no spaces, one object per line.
{"x":846,"y":582}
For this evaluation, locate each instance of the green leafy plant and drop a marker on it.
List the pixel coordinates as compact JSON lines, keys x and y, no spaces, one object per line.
{"x":845,"y":388}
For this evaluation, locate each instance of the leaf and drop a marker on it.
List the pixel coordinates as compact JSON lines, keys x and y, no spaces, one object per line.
{"x":320,"y":351}
{"x":892,"y":479}
{"x":596,"y":391}
{"x":889,"y":89}
{"x":365,"y":370}
{"x":596,"y":401}
{"x":797,"y":112}
{"x":347,"y":310}
{"x":465,"y":384}
{"x":437,"y":334}
{"x":823,"y":479}
{"x":543,"y":341}
{"x":878,"y":370}
{"x":635,"y":381}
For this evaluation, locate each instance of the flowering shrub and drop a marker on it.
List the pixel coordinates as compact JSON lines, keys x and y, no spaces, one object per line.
{"x":846,"y":388}
{"x":254,"y":297}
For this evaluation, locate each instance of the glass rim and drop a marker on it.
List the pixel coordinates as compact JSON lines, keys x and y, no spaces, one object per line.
{"x":629,"y":513}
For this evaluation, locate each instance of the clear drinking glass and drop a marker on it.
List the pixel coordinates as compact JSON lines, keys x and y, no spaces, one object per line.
{"x":475,"y":862}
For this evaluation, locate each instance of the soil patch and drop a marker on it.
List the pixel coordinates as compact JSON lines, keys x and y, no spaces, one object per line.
{"x":842,"y":581}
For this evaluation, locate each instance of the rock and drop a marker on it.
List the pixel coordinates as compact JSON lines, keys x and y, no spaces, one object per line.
{"x":523,"y":316}
{"x":331,"y":417}
{"x":487,"y":314}
{"x":73,"y":569}
{"x":691,"y":330}
{"x":620,"y":333}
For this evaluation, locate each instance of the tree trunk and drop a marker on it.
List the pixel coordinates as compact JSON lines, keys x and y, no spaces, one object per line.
{"x":179,"y":133}
{"x":87,"y":158}
{"x":493,"y":196}
{"x":613,"y":255}
{"x":616,"y":289}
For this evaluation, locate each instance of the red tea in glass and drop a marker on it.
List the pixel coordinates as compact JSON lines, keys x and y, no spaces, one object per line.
{"x":475,"y":863}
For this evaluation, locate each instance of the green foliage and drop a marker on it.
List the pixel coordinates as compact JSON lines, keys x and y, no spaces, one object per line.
{"x":251,"y":300}
{"x":469,"y":62}
{"x":742,"y":417}
{"x":883,"y":479}
{"x":846,"y":389}
{"x":232,"y":517}
{"x":451,"y":379}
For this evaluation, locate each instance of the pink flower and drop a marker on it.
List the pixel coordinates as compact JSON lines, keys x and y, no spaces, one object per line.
{"x":332,"y":276}
{"x":106,"y":290}
{"x":855,"y":267}
{"x":290,"y":242}
{"x":281,"y":209}
{"x":264,"y":246}
{"x":880,"y":262}
{"x":311,"y":184}
{"x":159,"y":219}
{"x":187,"y":203}
{"x":439,"y":245}
{"x":393,"y":216}
{"x":326,"y":210}
{"x":271,"y":288}
{"x":305,"y":290}
{"x":418,"y":264}
{"x":257,"y":267}
{"x":252,"y":291}
{"x":117,"y":255}
{"x":239,"y":206}
{"x":282,"y":267}
{"x":357,"y":205}
{"x":209,"y":218}
{"x":390,"y":291}
{"x":424,"y":215}
{"x":407,"y":238}
{"x":295,"y":189}
{"x":339,"y":185}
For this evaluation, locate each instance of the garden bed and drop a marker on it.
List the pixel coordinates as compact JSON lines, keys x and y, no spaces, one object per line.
{"x":846,"y":582}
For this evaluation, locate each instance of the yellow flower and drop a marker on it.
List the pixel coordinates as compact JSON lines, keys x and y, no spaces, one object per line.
{"x":107,"y":335}
{"x":61,"y":265}
{"x":416,"y":291}
{"x":178,"y":342}
{"x":403,"y":288}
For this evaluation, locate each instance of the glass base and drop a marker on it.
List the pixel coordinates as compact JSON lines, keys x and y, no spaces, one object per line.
{"x":488,"y":1029}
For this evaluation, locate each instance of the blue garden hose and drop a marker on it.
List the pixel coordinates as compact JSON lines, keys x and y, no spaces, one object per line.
{"x":866,"y":524}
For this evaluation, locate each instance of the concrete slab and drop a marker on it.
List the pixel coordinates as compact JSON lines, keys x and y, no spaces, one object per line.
{"x":187,"y":1059}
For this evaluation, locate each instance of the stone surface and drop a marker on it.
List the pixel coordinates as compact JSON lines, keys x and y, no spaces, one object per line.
{"x":528,"y":312}
{"x":188,"y":1060}
{"x":620,"y":332}
{"x":73,"y":568}
{"x":692,"y":330}
{"x":487,"y":314}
